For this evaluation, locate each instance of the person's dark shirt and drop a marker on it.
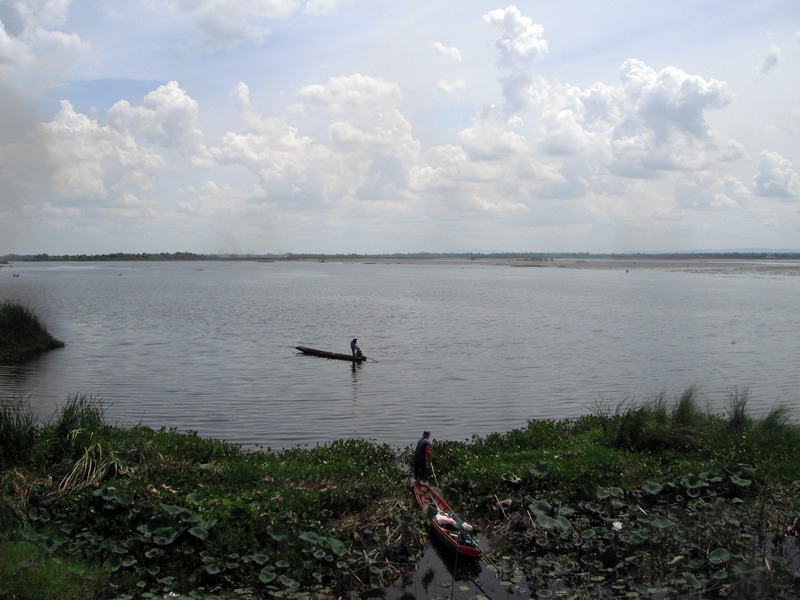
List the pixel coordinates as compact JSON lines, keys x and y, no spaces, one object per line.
{"x":424,"y":446}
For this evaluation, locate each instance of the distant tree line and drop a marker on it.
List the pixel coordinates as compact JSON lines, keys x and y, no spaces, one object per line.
{"x":109,"y":257}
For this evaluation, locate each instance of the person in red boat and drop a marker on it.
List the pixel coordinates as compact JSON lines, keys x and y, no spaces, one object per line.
{"x":421,"y":452}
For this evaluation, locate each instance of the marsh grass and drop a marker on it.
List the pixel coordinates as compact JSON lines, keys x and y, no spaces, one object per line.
{"x":655,"y":424}
{"x":739,"y":420}
{"x":12,"y":503}
{"x":28,"y":571}
{"x":82,"y":412}
{"x":776,"y":420}
{"x":18,"y":429}
{"x":22,"y":335}
{"x":73,"y":430}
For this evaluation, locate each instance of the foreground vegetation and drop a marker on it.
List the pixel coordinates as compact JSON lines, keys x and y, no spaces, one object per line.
{"x":21,"y":334}
{"x":655,"y":498}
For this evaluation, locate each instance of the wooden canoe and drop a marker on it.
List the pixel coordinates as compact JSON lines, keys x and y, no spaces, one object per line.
{"x":326,"y":354}
{"x":454,"y":533}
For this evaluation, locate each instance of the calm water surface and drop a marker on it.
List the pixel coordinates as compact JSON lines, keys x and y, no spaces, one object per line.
{"x":460,"y":349}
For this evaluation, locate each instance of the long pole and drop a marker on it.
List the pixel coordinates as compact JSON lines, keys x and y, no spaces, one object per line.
{"x":434,"y":474}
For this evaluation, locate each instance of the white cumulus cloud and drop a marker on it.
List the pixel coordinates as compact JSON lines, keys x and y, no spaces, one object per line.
{"x":450,"y":52}
{"x":776,"y":177}
{"x":522,"y":42}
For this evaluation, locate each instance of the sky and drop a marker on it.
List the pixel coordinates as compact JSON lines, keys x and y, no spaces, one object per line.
{"x":378,"y":126}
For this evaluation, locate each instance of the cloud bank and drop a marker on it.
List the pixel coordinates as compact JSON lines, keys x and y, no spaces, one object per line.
{"x":485,"y":146}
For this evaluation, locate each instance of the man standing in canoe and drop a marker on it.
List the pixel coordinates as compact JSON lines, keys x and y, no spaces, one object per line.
{"x":354,"y":346}
{"x":422,"y":451}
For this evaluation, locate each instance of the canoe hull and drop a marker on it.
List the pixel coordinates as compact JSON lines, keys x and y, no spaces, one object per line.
{"x":333,"y":355}
{"x":445,"y":524}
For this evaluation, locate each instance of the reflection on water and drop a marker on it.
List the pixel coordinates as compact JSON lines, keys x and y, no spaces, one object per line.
{"x":443,"y":574}
{"x":459,"y":350}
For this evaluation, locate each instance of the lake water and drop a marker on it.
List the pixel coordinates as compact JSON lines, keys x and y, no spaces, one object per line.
{"x":460,"y":349}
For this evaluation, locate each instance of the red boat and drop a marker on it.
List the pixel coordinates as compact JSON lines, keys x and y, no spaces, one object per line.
{"x":448,"y":527}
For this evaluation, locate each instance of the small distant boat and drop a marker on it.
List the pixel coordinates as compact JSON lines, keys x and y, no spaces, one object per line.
{"x":448,"y":527}
{"x":337,"y":355}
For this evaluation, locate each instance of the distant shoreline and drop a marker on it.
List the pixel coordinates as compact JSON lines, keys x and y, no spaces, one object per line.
{"x":695,"y":265}
{"x":728,"y":262}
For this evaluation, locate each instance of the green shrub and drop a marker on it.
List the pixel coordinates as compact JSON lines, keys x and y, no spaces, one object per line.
{"x":21,"y":333}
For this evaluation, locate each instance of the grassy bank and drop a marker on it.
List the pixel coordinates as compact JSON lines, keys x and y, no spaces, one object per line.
{"x":636,"y":499}
{"x":21,"y":334}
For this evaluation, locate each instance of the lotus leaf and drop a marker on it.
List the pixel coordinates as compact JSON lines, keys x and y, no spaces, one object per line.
{"x":720,"y":555}
{"x":200,"y":533}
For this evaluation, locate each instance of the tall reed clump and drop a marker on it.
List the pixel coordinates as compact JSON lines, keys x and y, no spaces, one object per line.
{"x":739,"y":420}
{"x":82,"y":416}
{"x":76,"y":437}
{"x":22,"y":335}
{"x":656,"y":423}
{"x":17,"y":431}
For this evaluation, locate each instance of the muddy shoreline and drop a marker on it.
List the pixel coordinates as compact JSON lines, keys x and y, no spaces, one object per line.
{"x":625,"y":264}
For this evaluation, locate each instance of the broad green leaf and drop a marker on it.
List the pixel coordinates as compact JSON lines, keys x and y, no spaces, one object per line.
{"x":310,"y":537}
{"x":541,"y":507}
{"x":337,"y":547}
{"x":610,"y":492}
{"x":195,"y":498}
{"x":540,"y":469}
{"x":172,"y":509}
{"x":693,"y":481}
{"x":692,"y":580}
{"x":163,"y":536}
{"x":719,"y":575}
{"x":546,"y":522}
{"x":652,"y":488}
{"x":720,"y":555}
{"x":199,"y":532}
{"x":113,"y":564}
{"x":123,"y":500}
{"x":128,"y":561}
{"x":662,"y":522}
{"x":266,"y":575}
{"x":563,"y":523}
{"x":278,"y":532}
